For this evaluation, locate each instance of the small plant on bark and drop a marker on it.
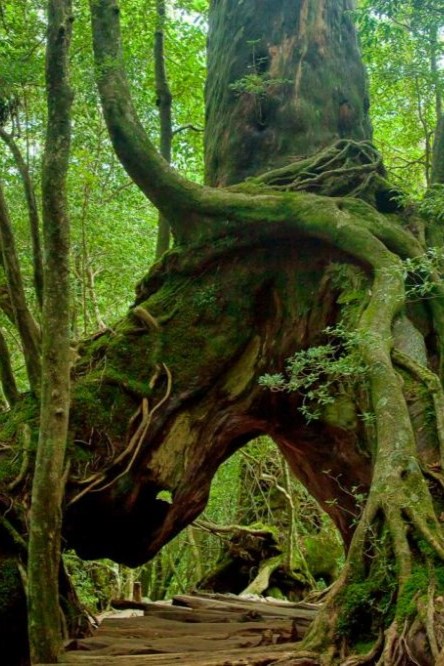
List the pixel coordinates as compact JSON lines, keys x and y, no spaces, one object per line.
{"x":320,"y":374}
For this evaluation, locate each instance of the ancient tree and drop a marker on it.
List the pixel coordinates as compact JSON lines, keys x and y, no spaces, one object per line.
{"x":258,"y":272}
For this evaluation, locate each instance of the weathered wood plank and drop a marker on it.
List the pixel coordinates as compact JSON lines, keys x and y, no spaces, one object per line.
{"x":232,"y":605}
{"x":196,"y":631}
{"x":261,"y":656}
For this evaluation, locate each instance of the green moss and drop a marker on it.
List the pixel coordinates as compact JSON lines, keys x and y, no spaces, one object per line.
{"x":323,"y":553}
{"x":363,"y":647}
{"x":356,"y":611}
{"x":101,"y":405}
{"x":25,"y":411}
{"x":406,"y":604}
{"x":426,"y":549}
{"x":341,"y":413}
{"x":9,"y":469}
{"x":366,"y":606}
{"x":11,"y":589}
{"x":276,"y":593}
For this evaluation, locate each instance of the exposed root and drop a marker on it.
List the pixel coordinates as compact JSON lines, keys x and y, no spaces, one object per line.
{"x":427,"y":377}
{"x":348,"y":168}
{"x":369,"y":658}
{"x":429,"y":621}
{"x":300,"y":658}
{"x":421,"y":522}
{"x":135,"y":443}
{"x":146,"y":318}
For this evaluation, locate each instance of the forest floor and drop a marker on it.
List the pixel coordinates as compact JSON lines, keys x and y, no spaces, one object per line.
{"x":216,"y":630}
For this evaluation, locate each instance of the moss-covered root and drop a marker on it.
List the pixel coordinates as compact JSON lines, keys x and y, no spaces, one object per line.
{"x":393,"y":578}
{"x":394,"y":574}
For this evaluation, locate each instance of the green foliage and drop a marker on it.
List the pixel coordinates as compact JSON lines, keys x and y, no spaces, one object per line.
{"x":257,"y":84}
{"x":96,"y":583}
{"x":322,"y":373}
{"x":10,"y":585}
{"x":113,"y":225}
{"x":403,"y":47}
{"x":421,"y":272}
{"x":432,"y":206}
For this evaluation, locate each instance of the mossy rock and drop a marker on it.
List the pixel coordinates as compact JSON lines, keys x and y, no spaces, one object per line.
{"x":323,"y":553}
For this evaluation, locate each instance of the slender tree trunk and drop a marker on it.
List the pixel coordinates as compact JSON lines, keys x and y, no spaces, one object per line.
{"x":437,"y":174}
{"x":164,"y":103}
{"x":26,"y":325}
{"x":9,"y":385}
{"x":45,"y":626}
{"x":438,"y":154}
{"x":34,"y":223}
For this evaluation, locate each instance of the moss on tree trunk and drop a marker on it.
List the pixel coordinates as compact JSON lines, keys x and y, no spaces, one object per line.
{"x":285,"y":79}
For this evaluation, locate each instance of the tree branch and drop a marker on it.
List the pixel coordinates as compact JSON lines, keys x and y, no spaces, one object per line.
{"x":164,"y":102}
{"x":165,"y":188}
{"x":195,"y":212}
{"x":32,"y":212}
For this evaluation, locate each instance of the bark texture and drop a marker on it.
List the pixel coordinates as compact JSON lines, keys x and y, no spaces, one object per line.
{"x":34,"y":221}
{"x":44,"y":613}
{"x":164,"y":104}
{"x":26,"y":325}
{"x":284,"y":80}
{"x":438,"y":153}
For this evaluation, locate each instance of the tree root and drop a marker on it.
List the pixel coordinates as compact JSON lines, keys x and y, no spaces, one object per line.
{"x":431,"y":380}
{"x":135,"y":443}
{"x":347,"y":168}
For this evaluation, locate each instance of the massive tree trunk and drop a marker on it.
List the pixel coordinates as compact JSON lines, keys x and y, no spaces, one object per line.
{"x":257,"y":274}
{"x":284,"y":79}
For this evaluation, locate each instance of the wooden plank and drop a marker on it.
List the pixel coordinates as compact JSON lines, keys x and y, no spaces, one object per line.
{"x":281,"y":603}
{"x":261,"y":608}
{"x":196,"y":631}
{"x":261,"y":656}
{"x":129,"y":636}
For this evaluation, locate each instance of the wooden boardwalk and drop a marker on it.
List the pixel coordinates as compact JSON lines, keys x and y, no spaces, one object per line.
{"x":196,"y":631}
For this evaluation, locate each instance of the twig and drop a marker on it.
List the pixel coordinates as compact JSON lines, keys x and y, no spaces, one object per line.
{"x":189,"y":126}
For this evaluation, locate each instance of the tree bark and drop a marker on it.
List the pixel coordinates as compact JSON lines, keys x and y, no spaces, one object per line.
{"x":9,"y":385}
{"x":164,"y":103}
{"x":438,"y":154}
{"x":350,"y":233}
{"x":284,"y":80}
{"x":27,"y":327}
{"x":44,"y":613}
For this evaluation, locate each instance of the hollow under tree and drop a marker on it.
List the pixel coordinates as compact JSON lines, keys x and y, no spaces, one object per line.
{"x":257,"y":273}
